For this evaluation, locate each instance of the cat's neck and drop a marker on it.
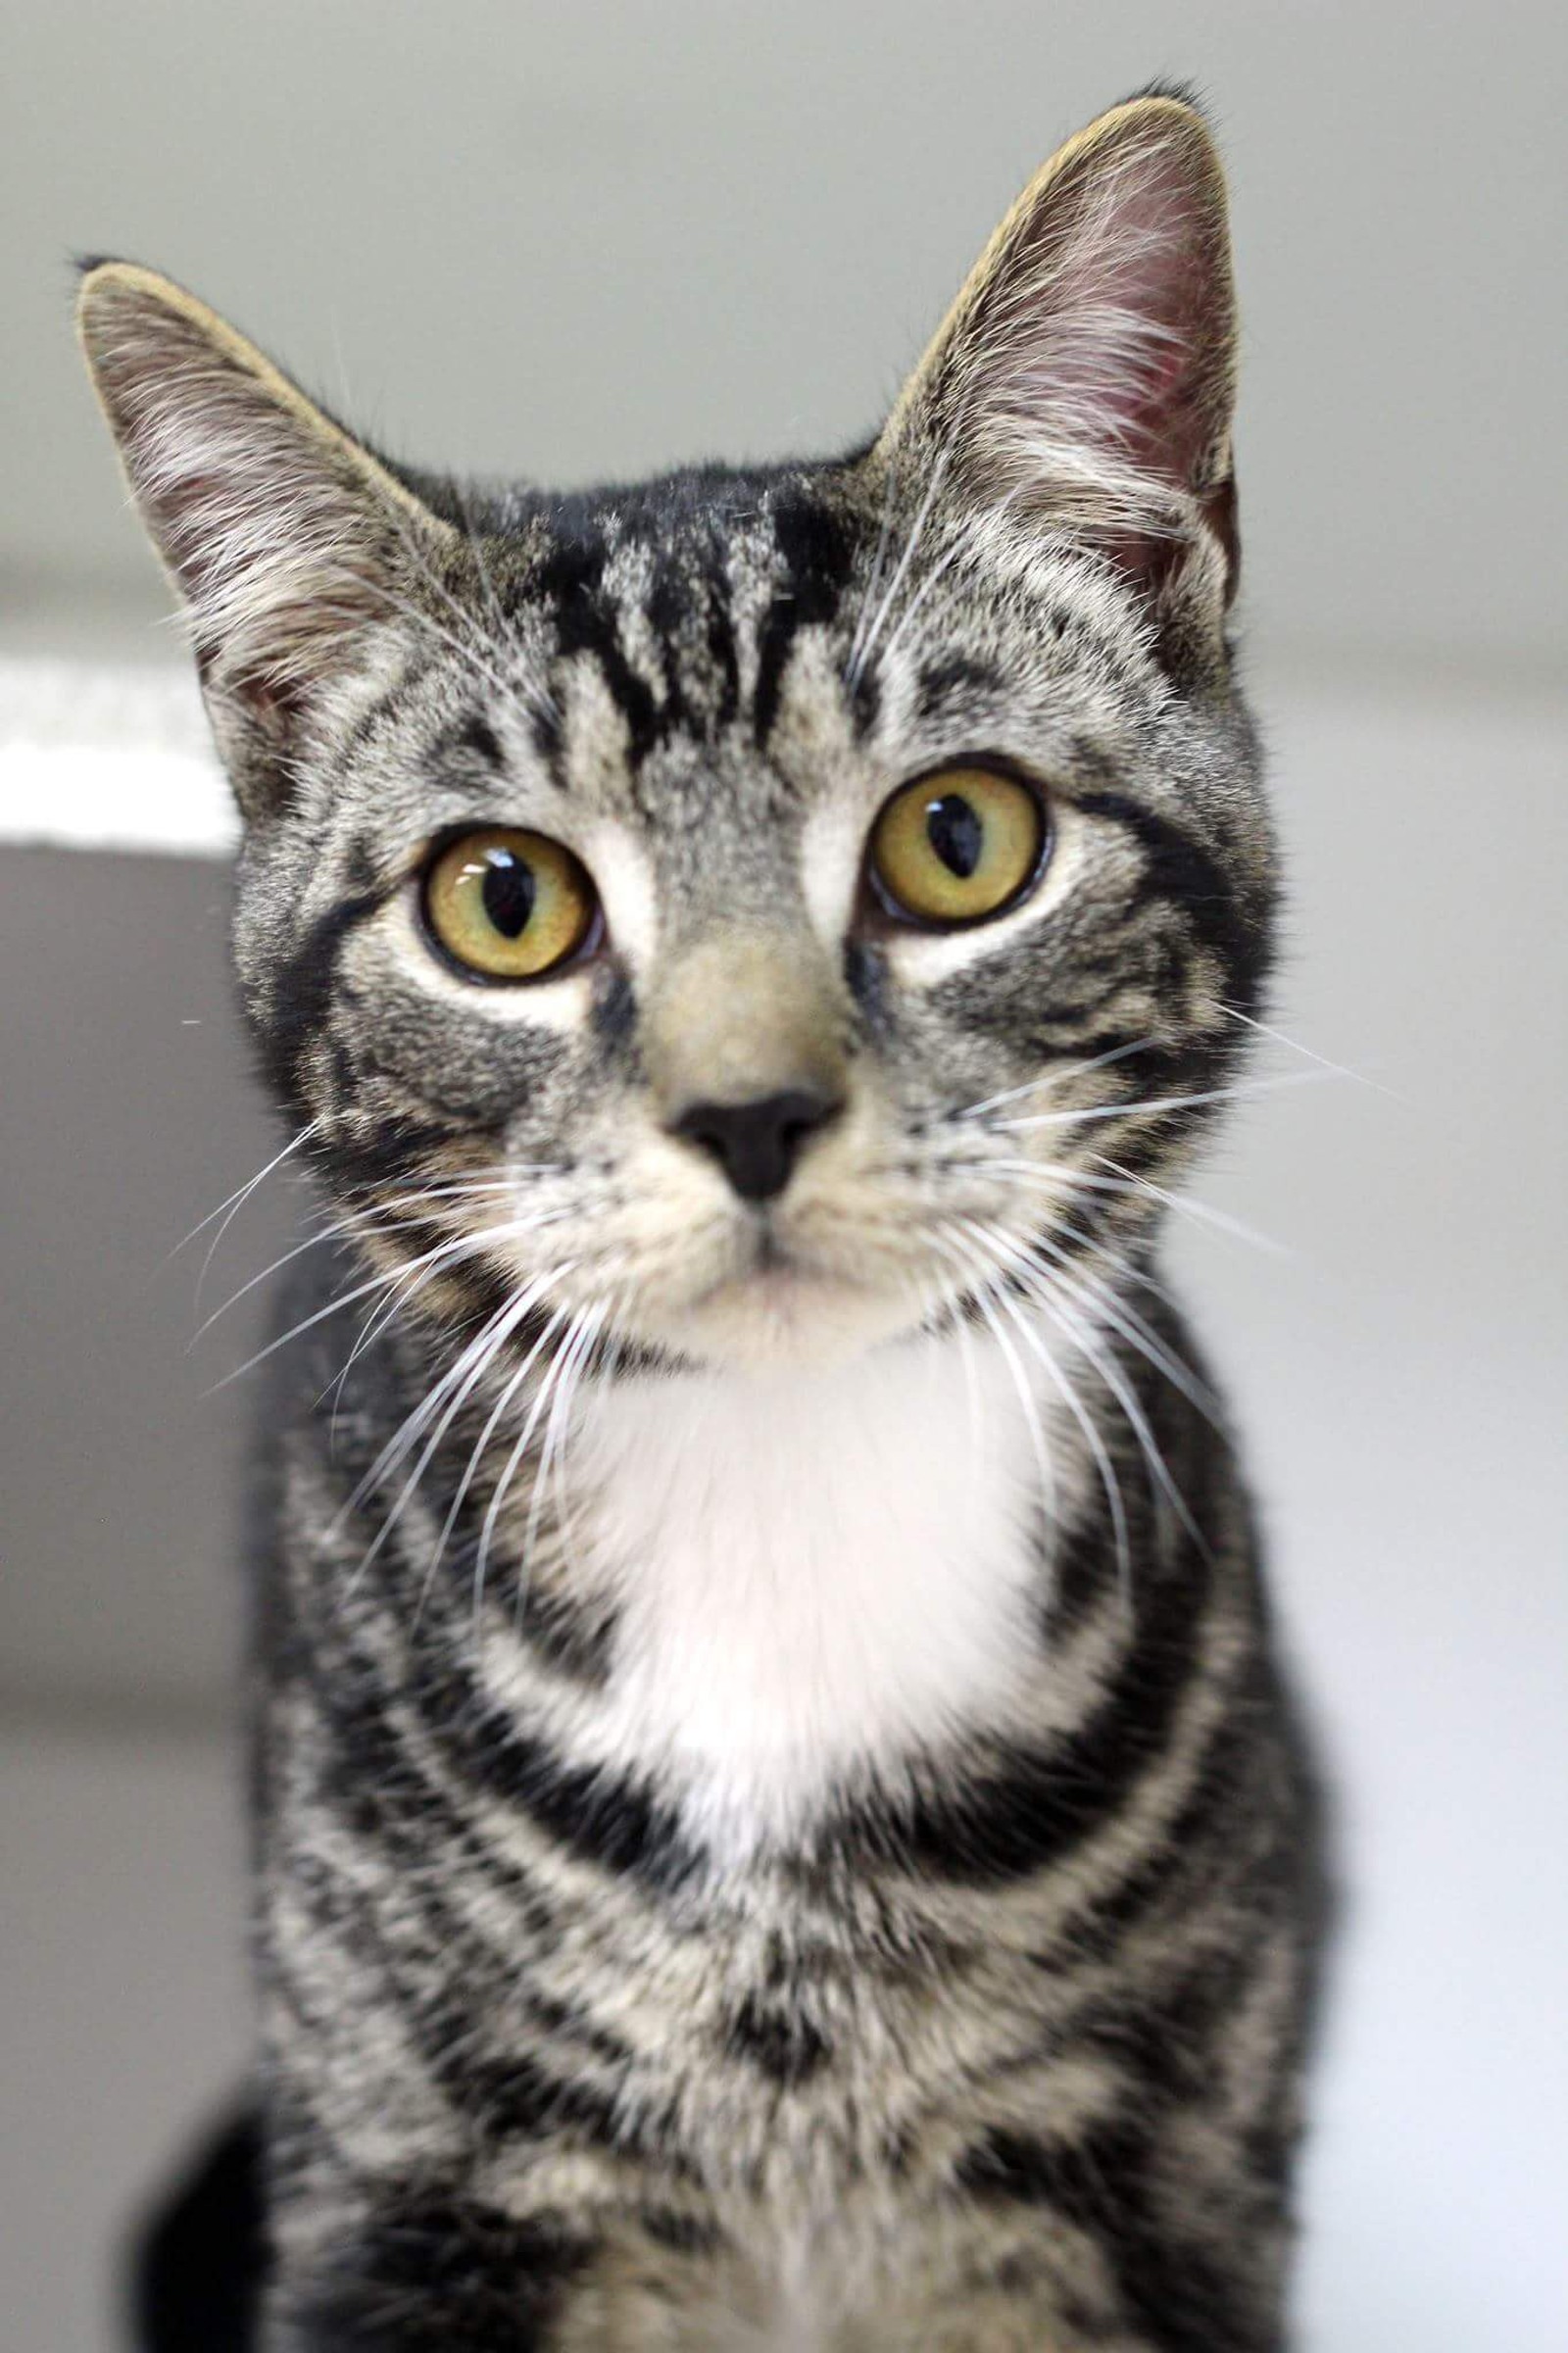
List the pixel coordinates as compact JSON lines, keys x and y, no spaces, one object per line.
{"x":815,"y":1573}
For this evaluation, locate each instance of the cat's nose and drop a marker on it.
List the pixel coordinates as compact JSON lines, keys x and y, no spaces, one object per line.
{"x":756,"y":1144}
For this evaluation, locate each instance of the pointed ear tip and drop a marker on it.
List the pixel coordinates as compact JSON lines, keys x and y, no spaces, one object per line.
{"x":107,"y":284}
{"x":110,"y":288}
{"x":104,"y":277}
{"x":1170,"y":119}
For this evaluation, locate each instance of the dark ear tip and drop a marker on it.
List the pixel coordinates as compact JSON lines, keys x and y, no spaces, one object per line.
{"x":1178,"y":92}
{"x":113,"y":270}
{"x":101,"y":275}
{"x":110,"y":289}
{"x":1166,"y":122}
{"x":1176,"y":117}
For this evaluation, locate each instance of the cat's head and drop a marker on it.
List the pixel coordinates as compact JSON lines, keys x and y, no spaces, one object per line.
{"x":753,"y":912}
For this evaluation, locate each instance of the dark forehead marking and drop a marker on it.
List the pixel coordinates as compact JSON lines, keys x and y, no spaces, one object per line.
{"x":685,"y":607}
{"x":387,"y":703}
{"x":693,"y":522}
{"x":690,"y":613}
{"x":669,"y":603}
{"x":815,"y":553}
{"x":954,"y":681}
{"x":545,"y":725}
{"x":467,"y":744}
{"x":864,"y":690}
{"x":723,"y":650}
{"x":571,"y":582}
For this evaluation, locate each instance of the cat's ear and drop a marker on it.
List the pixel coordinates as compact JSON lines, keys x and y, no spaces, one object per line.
{"x":1086,"y":373}
{"x":283,"y":536}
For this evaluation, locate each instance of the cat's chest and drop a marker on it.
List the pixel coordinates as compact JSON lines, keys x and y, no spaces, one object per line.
{"x":813,"y":1574}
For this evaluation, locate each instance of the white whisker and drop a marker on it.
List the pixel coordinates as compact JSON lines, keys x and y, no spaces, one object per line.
{"x":430,"y":1262}
{"x":1099,"y":1297}
{"x":561,"y":1315}
{"x":576,"y":1354}
{"x":241,"y":1193}
{"x":1098,"y":1451}
{"x":917,"y":527}
{"x":982,"y":1296}
{"x":1251,"y":1021}
{"x":358,"y":1221}
{"x":1242,"y":1091}
{"x":874,"y":581}
{"x":461,"y":1379}
{"x":228,"y":1211}
{"x":1187,"y":1206}
{"x":409,"y":1281}
{"x":477,"y":1450}
{"x":1046,"y":1295}
{"x":1055,"y":1077}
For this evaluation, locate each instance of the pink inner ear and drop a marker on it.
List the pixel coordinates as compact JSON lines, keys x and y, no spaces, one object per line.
{"x":1148,"y":263}
{"x":1114,"y":318}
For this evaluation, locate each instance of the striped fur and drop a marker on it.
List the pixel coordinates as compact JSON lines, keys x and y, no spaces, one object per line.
{"x":777,"y":1821}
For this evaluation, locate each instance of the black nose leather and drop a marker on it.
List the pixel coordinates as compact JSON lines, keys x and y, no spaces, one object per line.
{"x":756,"y":1144}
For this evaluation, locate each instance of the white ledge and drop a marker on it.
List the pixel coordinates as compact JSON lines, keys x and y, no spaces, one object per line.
{"x":110,"y":756}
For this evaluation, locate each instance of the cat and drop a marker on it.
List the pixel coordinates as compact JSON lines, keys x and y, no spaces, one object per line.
{"x":778,"y":1820}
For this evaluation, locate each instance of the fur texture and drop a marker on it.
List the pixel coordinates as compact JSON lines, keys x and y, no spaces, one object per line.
{"x":777,"y":1822}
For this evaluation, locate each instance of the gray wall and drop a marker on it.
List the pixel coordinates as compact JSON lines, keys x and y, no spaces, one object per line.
{"x":574,"y":240}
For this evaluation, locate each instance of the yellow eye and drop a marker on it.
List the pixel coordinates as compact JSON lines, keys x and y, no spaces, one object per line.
{"x":958,"y":847}
{"x":509,"y":905}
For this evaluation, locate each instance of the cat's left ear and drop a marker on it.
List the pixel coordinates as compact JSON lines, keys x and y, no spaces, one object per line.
{"x":1085,"y":376}
{"x":284,"y":537}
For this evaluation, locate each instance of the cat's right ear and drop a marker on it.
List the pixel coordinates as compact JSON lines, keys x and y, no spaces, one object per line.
{"x":283,"y":536}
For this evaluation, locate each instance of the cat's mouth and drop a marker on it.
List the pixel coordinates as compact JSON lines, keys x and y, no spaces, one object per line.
{"x":767,"y":1266}
{"x":778,"y":1299}
{"x":771,"y":1256}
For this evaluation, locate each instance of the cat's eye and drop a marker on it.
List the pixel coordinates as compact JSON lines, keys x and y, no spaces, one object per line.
{"x":508,"y":905}
{"x":956,"y":847}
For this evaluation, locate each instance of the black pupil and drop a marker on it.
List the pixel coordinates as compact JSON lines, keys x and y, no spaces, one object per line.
{"x":507,"y":892}
{"x":956,"y":833}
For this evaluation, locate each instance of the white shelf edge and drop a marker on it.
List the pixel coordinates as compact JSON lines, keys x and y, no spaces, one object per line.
{"x":109,"y":756}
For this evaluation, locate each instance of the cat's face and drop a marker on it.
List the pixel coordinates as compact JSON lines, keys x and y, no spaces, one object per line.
{"x":754,"y":915}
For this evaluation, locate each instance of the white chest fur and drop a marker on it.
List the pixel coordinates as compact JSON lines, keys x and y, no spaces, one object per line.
{"x":814,"y":1571}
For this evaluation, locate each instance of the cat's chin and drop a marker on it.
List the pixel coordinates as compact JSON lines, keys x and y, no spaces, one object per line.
{"x":785,"y":1314}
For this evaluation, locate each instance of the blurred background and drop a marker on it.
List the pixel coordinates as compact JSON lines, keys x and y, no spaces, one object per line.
{"x":589,"y":241}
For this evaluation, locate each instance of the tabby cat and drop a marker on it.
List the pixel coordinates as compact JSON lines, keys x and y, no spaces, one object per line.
{"x":777,"y":1820}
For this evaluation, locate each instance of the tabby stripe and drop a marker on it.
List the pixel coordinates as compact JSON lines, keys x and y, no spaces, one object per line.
{"x":302,"y":991}
{"x":596,"y":1815}
{"x":587,"y":622}
{"x":1180,"y":869}
{"x":1180,"y":2298}
{"x":1034,"y":1806}
{"x":381,"y":1791}
{"x":816,"y":554}
{"x":490,"y":2283}
{"x":778,"y":2040}
{"x":1227,"y":1796}
{"x":416,"y":667}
